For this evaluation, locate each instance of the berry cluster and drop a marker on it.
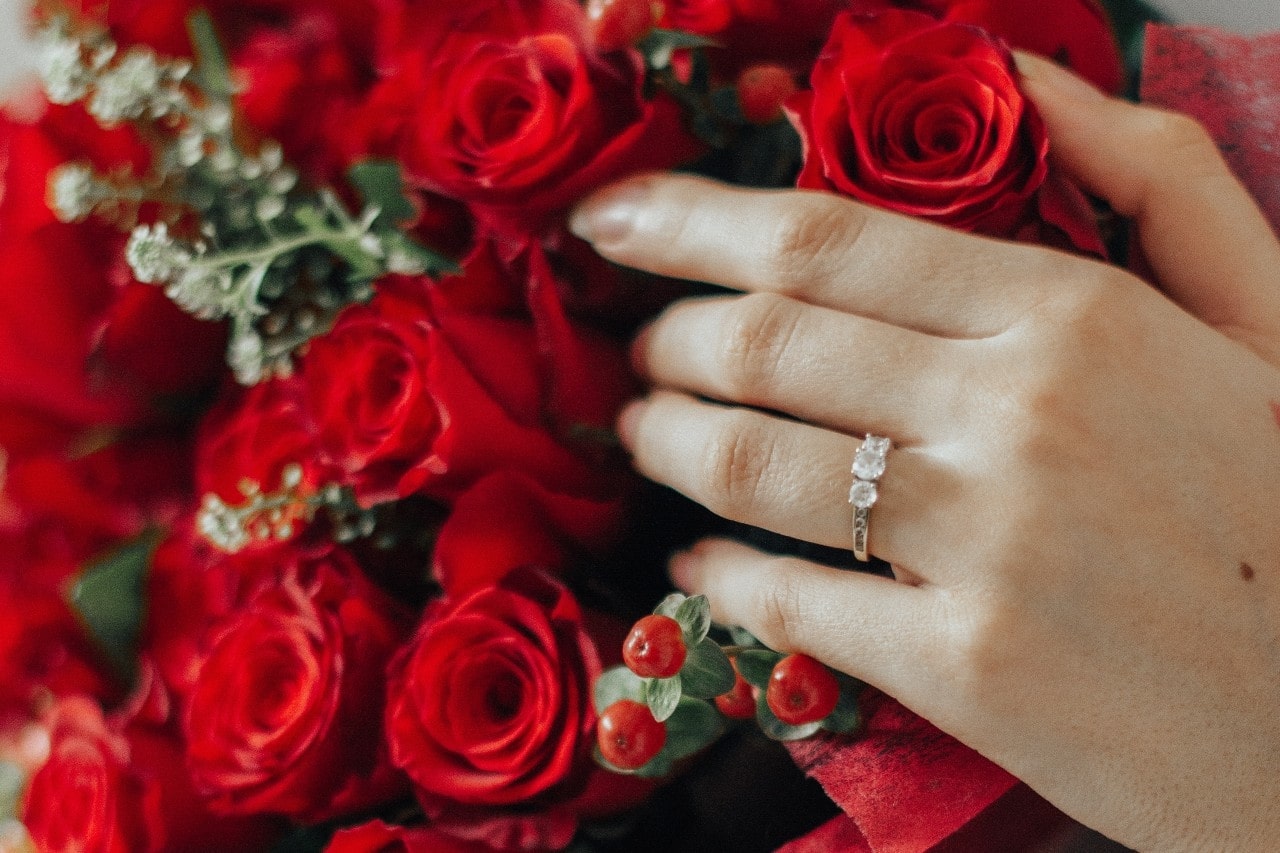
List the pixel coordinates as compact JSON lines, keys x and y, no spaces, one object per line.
{"x":679,"y":687}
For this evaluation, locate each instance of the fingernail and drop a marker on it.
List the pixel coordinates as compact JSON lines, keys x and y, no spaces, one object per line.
{"x":1037,"y":69}
{"x":609,"y":215}
{"x":629,"y":420}
{"x":680,"y":569}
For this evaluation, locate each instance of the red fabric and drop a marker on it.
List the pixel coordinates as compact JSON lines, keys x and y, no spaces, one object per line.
{"x":908,"y":787}
{"x":1230,"y":83}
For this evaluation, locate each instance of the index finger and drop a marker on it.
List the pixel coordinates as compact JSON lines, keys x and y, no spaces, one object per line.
{"x":820,"y":249}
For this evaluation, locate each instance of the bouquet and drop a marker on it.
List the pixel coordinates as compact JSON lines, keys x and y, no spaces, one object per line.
{"x":314,"y":531}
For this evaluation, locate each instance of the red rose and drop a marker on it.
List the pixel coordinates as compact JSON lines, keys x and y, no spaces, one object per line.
{"x":508,"y":519}
{"x":408,"y":396}
{"x":299,"y":83}
{"x":252,"y":437}
{"x":282,"y":717}
{"x":120,"y":784}
{"x":789,"y":32}
{"x":84,"y":798}
{"x":490,"y":706}
{"x":1073,"y":32}
{"x":526,"y":117}
{"x":921,"y":117}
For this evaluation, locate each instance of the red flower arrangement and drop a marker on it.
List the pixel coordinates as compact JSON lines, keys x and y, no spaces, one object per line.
{"x":359,"y":581}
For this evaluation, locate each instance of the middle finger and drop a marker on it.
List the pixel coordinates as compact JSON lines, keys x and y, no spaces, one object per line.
{"x":817,"y":364}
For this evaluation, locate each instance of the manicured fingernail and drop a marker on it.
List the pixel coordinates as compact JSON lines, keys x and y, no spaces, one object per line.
{"x":680,"y":568}
{"x":1037,"y":69}
{"x":609,"y":215}
{"x":629,"y":420}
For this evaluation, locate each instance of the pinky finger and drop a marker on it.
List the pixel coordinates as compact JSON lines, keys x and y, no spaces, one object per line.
{"x":873,"y":628}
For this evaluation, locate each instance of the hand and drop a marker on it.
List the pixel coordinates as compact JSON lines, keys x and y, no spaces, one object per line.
{"x":1081,"y":504}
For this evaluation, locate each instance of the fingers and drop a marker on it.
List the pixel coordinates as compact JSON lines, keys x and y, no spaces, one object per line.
{"x":1203,"y":234}
{"x":823,"y":366}
{"x":784,"y":476}
{"x":873,"y":628}
{"x":819,"y":249}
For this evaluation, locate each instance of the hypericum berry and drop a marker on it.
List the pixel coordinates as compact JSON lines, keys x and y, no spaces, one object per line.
{"x":655,"y":647}
{"x":740,"y":702}
{"x":628,"y":735}
{"x":801,"y":690}
{"x":762,"y":90}
{"x":616,"y":24}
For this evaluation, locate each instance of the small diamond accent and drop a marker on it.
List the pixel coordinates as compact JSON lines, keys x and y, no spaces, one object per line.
{"x":868,"y":466}
{"x":863,"y":494}
{"x":876,"y":444}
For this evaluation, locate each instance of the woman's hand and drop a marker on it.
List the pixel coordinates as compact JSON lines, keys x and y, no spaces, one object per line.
{"x":1082,"y":501}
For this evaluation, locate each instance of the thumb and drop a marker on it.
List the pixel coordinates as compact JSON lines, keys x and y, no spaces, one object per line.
{"x":1209,"y":244}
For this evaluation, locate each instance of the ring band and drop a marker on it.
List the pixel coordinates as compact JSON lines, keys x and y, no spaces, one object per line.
{"x":868,"y":466}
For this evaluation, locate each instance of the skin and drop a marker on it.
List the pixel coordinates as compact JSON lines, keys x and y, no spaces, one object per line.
{"x":1081,"y":502}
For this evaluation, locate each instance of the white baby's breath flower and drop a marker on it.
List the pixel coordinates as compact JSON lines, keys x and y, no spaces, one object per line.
{"x":154,"y":256}
{"x":60,"y":62}
{"x":127,"y":90}
{"x":74,"y":191}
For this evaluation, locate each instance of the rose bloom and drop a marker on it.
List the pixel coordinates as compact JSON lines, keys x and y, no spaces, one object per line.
{"x":525,"y":117}
{"x":1073,"y":32}
{"x":253,"y":435}
{"x":282,"y":716}
{"x":924,"y":118}
{"x":489,"y":707}
{"x":408,"y":396}
{"x":119,"y":785}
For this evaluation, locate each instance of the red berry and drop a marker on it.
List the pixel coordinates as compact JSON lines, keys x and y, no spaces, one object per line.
{"x":740,"y":702}
{"x":616,"y":24}
{"x":655,"y":647}
{"x":762,"y":90}
{"x":628,"y":735}
{"x":801,"y":690}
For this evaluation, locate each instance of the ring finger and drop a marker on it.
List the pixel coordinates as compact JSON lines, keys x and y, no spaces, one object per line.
{"x":788,"y":477}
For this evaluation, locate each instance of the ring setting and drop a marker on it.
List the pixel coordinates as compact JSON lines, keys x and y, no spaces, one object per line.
{"x":868,"y":467}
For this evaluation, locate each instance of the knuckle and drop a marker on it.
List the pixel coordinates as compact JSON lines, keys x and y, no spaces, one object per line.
{"x":810,"y":235}
{"x":759,"y":329}
{"x":1180,"y":133}
{"x":780,"y":605}
{"x":735,"y":464}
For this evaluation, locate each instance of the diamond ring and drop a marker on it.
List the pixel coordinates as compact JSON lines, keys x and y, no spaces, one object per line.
{"x":868,"y":467}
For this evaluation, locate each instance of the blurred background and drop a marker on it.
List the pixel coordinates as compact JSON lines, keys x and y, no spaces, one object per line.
{"x":15,"y":53}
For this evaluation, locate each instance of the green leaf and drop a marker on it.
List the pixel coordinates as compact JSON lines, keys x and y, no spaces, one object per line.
{"x":110,"y":599}
{"x":694,"y":616}
{"x":614,"y":684}
{"x":381,"y":186}
{"x":756,"y":665}
{"x":213,"y":72}
{"x":693,"y":726}
{"x":669,"y":605}
{"x":706,"y":673}
{"x":778,"y":730}
{"x":662,"y":695}
{"x":846,"y":717}
{"x":742,"y":637}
